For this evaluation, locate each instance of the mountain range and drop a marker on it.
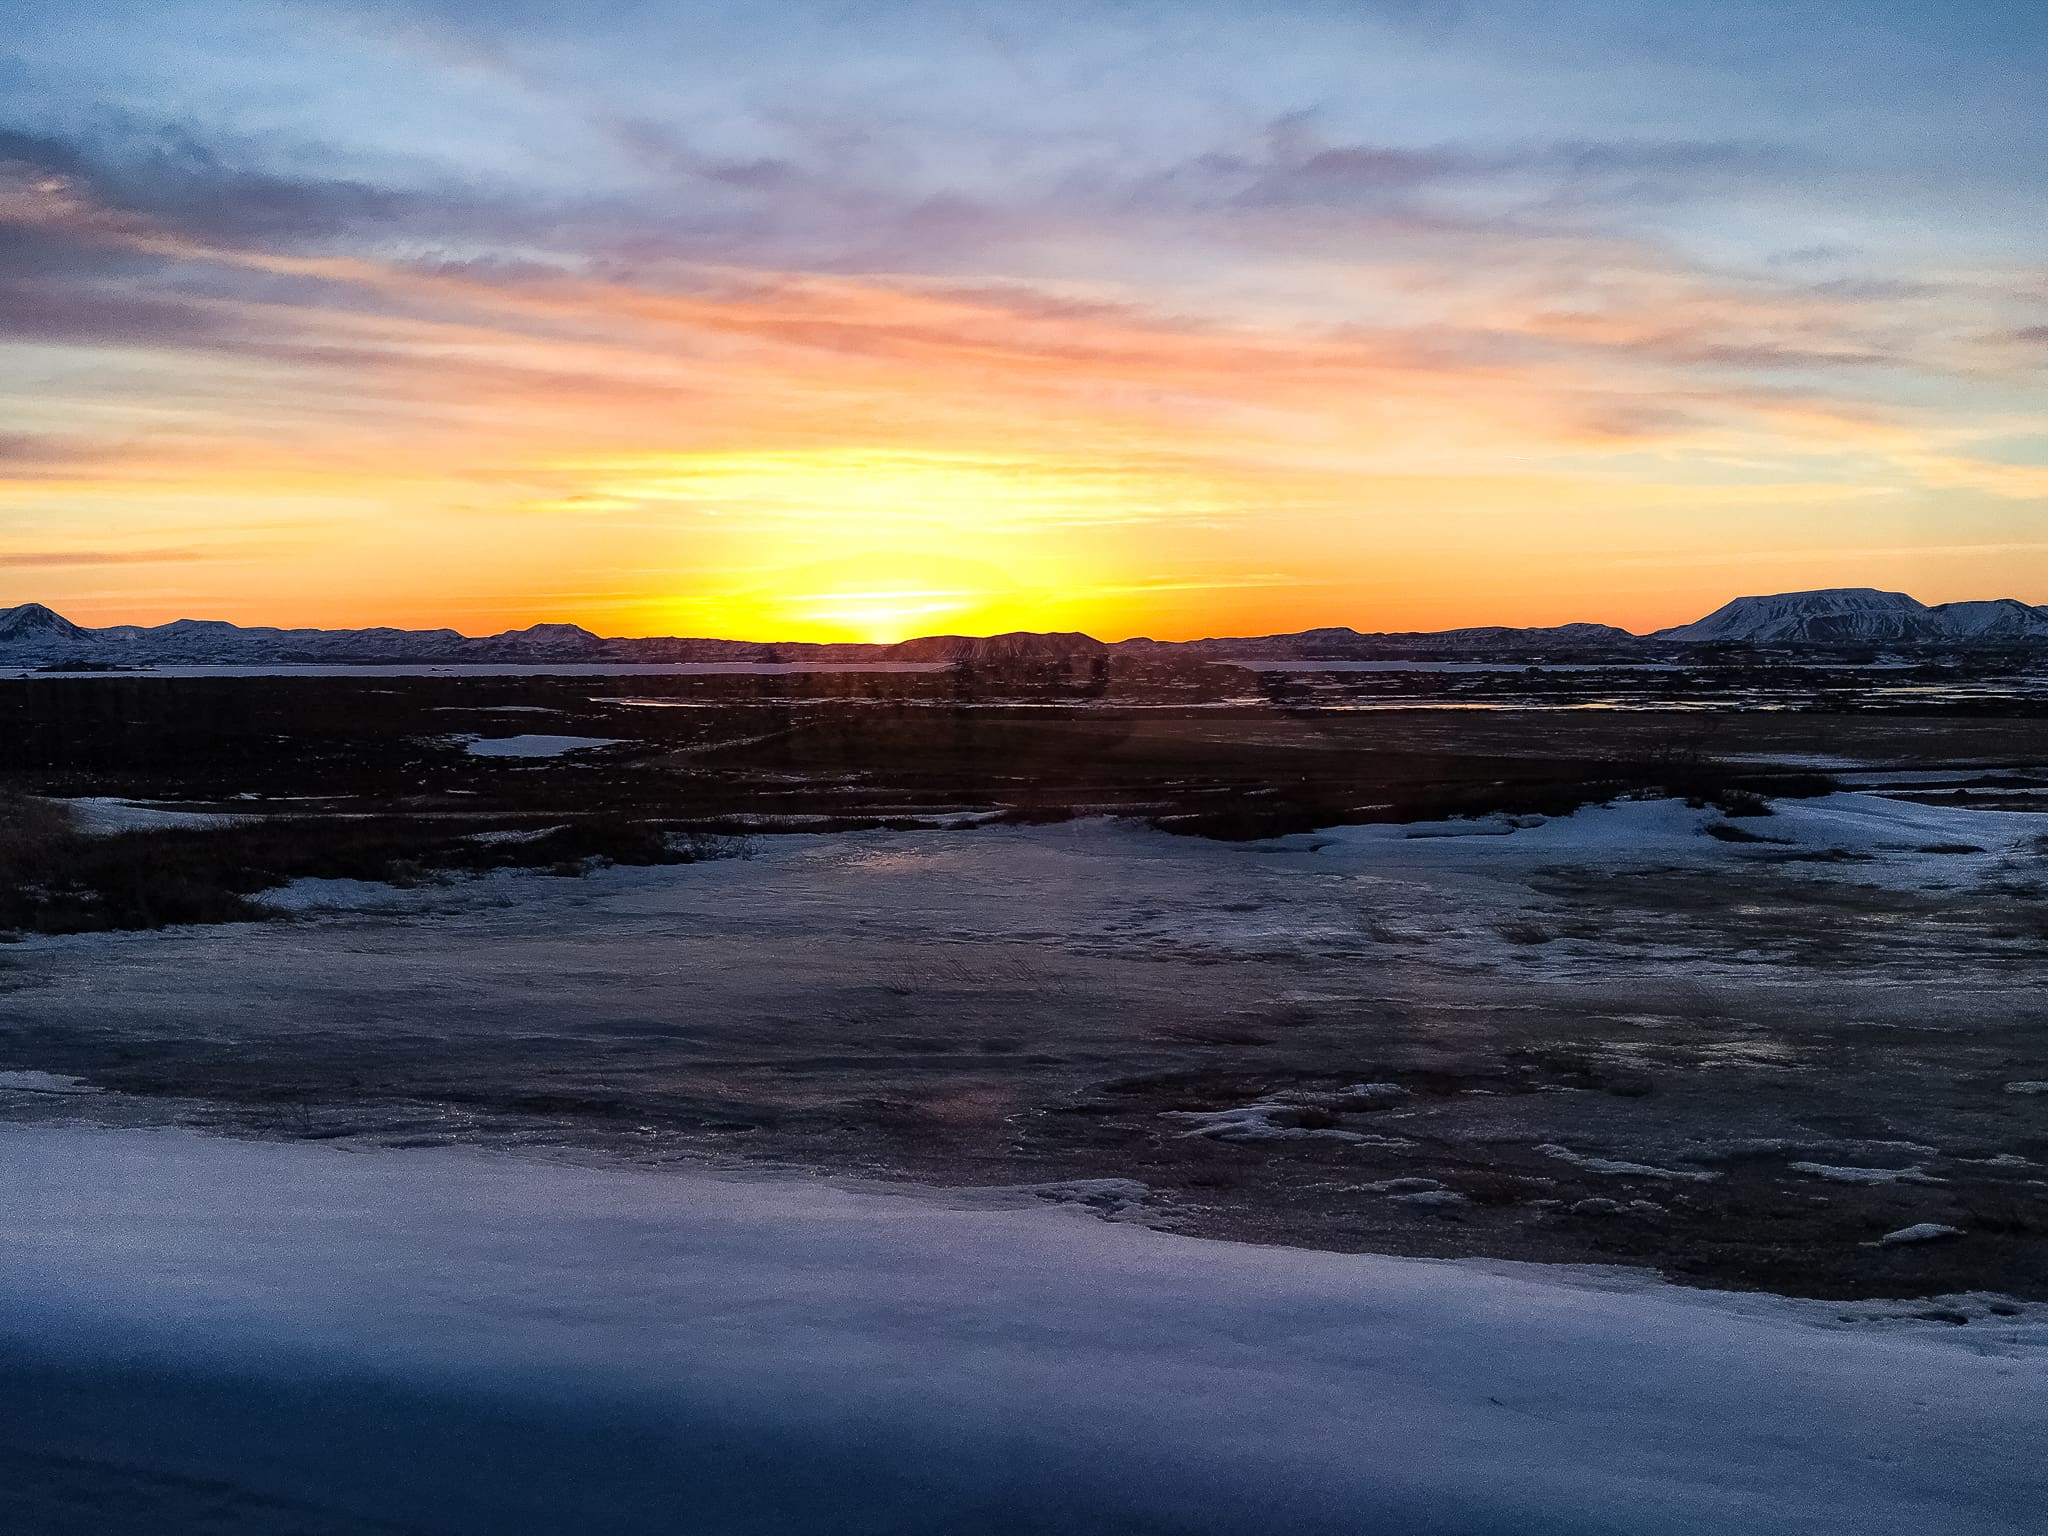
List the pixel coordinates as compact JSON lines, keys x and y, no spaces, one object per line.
{"x":32,"y":635}
{"x":1864,"y":616}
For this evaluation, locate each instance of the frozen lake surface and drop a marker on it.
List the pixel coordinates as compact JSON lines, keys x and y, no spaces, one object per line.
{"x":208,"y":1334}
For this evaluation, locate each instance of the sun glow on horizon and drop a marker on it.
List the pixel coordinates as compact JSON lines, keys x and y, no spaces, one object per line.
{"x":884,"y":617}
{"x":882,"y":544}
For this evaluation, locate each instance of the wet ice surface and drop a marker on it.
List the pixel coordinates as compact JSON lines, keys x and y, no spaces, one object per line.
{"x":240,"y":1337}
{"x":1613,"y":1035}
{"x":531,"y":745}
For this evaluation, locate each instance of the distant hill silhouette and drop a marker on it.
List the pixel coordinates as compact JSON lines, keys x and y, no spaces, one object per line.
{"x":32,"y":635}
{"x":1017,"y":646}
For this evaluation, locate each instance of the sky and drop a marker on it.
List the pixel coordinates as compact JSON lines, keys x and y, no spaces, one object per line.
{"x":837,"y":321}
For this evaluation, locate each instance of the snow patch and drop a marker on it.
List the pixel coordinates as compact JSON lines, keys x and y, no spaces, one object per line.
{"x":1293,"y":1116}
{"x":1423,"y":1194}
{"x":1621,"y":1169}
{"x":1432,"y":1199}
{"x":534,"y":745}
{"x":1892,"y":834}
{"x":1919,"y":1232}
{"x":1600,"y":1205}
{"x":103,"y":816}
{"x":1370,"y":1095}
{"x":516,"y":835}
{"x":313,"y":894}
{"x":1403,"y":1186}
{"x":31,"y":1081}
{"x":1112,"y":1199}
{"x":1270,"y":1121}
{"x":1837,"y":1175}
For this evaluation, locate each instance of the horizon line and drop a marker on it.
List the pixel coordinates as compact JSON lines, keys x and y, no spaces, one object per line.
{"x":543,"y":624}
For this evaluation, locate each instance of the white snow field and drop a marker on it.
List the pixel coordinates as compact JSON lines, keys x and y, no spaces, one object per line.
{"x":240,"y":1337}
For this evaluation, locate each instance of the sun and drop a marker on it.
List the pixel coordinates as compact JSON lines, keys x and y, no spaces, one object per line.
{"x":883,"y":617}
{"x":869,"y":545}
{"x":874,"y":598}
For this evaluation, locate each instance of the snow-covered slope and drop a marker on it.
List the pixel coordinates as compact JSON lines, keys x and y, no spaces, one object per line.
{"x":2002,"y":619}
{"x":1834,"y":615}
{"x":1863,"y":616}
{"x":31,"y":624}
{"x":242,"y":1337}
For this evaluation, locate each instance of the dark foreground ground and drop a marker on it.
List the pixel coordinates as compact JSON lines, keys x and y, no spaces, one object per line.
{"x":1739,"y":1033}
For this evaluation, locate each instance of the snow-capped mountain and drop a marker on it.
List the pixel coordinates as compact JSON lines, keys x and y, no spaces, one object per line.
{"x":1863,"y":616}
{"x":1337,"y":644}
{"x":2001,"y":619}
{"x":32,"y":624}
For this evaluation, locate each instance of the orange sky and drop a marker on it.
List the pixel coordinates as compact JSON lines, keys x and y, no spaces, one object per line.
{"x":960,"y":368}
{"x":811,"y":459}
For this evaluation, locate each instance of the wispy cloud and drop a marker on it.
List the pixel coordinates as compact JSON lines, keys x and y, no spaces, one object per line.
{"x":32,"y":559}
